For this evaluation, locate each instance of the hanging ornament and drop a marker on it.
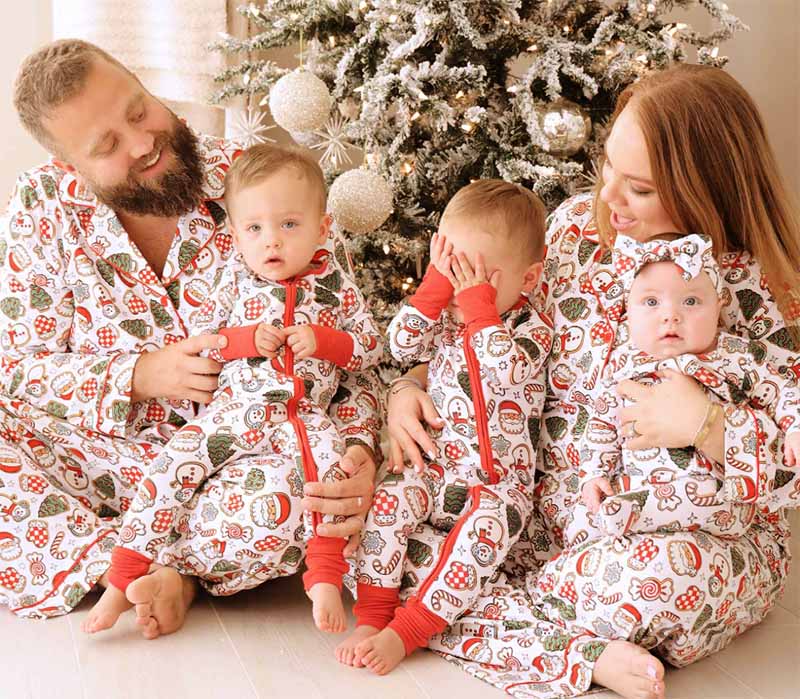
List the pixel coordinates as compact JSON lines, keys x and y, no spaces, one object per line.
{"x":249,"y":127}
{"x":300,"y":101}
{"x":309,"y":139}
{"x":360,"y":200}
{"x":333,"y":138}
{"x":564,"y":127}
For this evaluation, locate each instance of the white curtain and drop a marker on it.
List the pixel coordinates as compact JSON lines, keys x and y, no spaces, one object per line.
{"x":163,"y":41}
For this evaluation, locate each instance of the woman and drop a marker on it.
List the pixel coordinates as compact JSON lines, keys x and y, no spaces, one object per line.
{"x":687,"y":152}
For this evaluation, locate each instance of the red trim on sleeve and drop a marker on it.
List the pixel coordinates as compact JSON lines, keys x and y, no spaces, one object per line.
{"x":433,"y":294}
{"x":325,"y":562}
{"x":478,"y":306}
{"x":333,"y":345}
{"x":241,"y":342}
{"x":375,"y":606}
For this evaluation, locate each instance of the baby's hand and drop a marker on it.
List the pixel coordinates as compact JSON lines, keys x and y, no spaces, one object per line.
{"x":791,"y":449}
{"x":440,"y":254}
{"x":464,"y":275}
{"x":269,"y":339}
{"x":595,"y":491}
{"x":301,"y":340}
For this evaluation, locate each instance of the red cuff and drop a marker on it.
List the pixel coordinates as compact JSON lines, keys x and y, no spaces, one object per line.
{"x":333,"y":345}
{"x":241,"y":342}
{"x":127,"y":566}
{"x":433,"y":294}
{"x":479,"y":308}
{"x":375,"y":606}
{"x":325,"y":562}
{"x":415,"y":624}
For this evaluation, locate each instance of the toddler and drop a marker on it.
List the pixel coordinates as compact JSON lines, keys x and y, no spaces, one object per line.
{"x":486,"y":347}
{"x":673,"y":290}
{"x":283,"y":303}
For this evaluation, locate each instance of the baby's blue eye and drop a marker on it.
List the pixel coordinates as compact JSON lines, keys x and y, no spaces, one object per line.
{"x":254,"y":228}
{"x":289,"y":225}
{"x":651,"y":302}
{"x":692,"y":301}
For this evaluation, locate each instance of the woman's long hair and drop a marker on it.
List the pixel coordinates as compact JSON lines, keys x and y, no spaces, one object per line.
{"x":716,"y":173}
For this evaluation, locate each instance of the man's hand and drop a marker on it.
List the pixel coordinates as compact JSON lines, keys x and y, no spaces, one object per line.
{"x":301,"y":340}
{"x":177,"y":372}
{"x":350,"y":498}
{"x":594,"y":492}
{"x":269,"y":339}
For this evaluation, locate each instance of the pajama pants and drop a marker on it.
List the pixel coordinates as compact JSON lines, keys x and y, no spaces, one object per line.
{"x":306,"y":441}
{"x":64,"y":489}
{"x":482,"y":522}
{"x":689,"y":502}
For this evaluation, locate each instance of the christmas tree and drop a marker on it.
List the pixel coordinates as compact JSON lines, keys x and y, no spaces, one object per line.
{"x":436,"y":94}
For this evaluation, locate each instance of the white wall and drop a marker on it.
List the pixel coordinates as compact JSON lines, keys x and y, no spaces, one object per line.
{"x":23,"y":28}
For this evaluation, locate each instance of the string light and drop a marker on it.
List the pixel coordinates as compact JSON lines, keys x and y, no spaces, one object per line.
{"x":332,"y":40}
{"x":407,"y":168}
{"x":467,"y":127}
{"x":392,"y":18}
{"x":459,"y":94}
{"x":386,"y":248}
{"x":533,"y":48}
{"x":415,"y":116}
{"x":715,"y":52}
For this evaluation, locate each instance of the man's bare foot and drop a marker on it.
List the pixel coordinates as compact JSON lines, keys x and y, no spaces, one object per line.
{"x":328,"y":610}
{"x":630,"y":671}
{"x":382,"y":652}
{"x":106,"y":611}
{"x":346,"y":650}
{"x":162,"y":598}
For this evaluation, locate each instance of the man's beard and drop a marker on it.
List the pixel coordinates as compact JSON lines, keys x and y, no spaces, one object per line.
{"x":175,"y":192}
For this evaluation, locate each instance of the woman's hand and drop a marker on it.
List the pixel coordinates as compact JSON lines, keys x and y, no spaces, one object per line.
{"x":350,"y":498}
{"x":667,"y":414}
{"x":407,"y":407}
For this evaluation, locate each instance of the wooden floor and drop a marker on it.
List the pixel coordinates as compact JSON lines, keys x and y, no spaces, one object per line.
{"x":262,"y":643}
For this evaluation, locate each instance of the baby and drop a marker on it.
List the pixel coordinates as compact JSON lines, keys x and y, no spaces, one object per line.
{"x":674,"y":301}
{"x":487,"y":347}
{"x":286,"y":305}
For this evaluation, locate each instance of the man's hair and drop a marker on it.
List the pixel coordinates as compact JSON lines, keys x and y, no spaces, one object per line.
{"x":51,"y":76}
{"x":503,"y":208}
{"x":258,"y":162}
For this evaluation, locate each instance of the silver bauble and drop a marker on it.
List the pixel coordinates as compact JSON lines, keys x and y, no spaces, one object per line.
{"x":360,"y":200}
{"x":309,"y":139}
{"x":564,"y":126}
{"x":300,"y":101}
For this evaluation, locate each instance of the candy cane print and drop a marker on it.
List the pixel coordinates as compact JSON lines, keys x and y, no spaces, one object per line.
{"x":611,"y":599}
{"x":54,"y":552}
{"x":440,"y":596}
{"x":393,"y":561}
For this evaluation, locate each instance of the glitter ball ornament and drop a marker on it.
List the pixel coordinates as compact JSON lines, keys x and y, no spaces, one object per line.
{"x":300,"y":101}
{"x":564,"y":126}
{"x":360,"y":200}
{"x":309,"y":139}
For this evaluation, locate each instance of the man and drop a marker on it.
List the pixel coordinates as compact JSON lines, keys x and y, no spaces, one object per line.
{"x":106,"y":251}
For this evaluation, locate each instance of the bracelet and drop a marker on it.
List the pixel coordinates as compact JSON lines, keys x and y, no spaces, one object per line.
{"x":400,"y":380}
{"x":712,"y":413}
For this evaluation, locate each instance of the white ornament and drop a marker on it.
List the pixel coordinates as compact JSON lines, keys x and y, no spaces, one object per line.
{"x":309,"y":139}
{"x":333,"y":138}
{"x":248,"y":128}
{"x":300,"y":101}
{"x":564,"y":126}
{"x":360,"y":200}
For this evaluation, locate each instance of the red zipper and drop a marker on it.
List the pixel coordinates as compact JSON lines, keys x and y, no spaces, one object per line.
{"x":484,"y":448}
{"x":309,"y":465}
{"x":481,"y":417}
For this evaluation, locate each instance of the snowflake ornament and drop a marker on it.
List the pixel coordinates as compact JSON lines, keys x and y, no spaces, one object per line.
{"x":333,"y":139}
{"x":249,"y":128}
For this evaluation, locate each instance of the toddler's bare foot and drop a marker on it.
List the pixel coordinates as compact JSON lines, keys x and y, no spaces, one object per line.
{"x":346,"y":650}
{"x":382,"y":652}
{"x":106,"y":611}
{"x":162,"y":599}
{"x":630,"y":671}
{"x":327,"y":607}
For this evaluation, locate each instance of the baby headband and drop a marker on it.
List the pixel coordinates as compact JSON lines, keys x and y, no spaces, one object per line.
{"x":691,"y":253}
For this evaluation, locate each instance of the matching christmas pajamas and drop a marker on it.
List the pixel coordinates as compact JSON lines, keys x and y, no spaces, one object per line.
{"x":78,"y":305}
{"x":485,"y":379}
